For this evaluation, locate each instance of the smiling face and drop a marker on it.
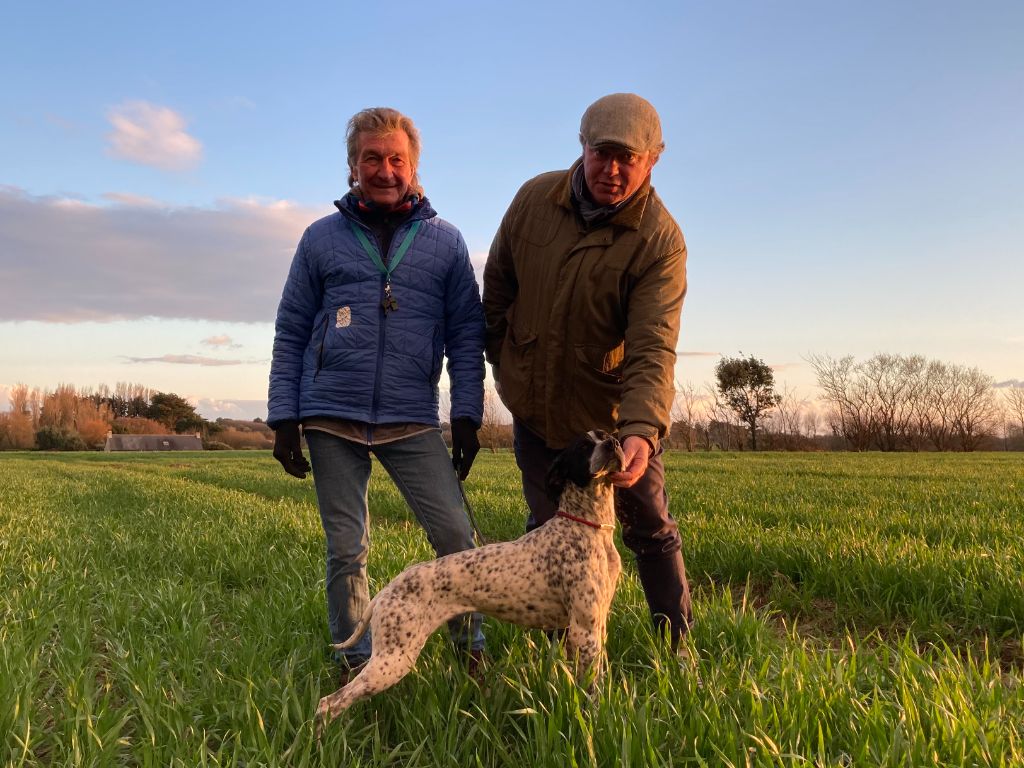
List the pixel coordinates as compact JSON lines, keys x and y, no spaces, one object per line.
{"x":614,"y":173}
{"x":384,"y":168}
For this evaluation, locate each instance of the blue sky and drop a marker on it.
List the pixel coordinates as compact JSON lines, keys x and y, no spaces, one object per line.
{"x":849,"y":176}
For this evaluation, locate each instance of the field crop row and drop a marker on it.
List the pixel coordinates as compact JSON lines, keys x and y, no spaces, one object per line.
{"x":851,"y":610}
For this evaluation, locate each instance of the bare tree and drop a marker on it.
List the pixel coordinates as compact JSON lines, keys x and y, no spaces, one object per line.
{"x":809,"y":421}
{"x":788,"y":416}
{"x":723,"y":425}
{"x":706,"y":410}
{"x":493,"y":432}
{"x":686,"y":411}
{"x":1013,"y":401}
{"x":892,"y":384}
{"x":60,"y":408}
{"x":850,"y":409}
{"x":973,"y":406}
{"x":934,"y":417}
{"x":19,"y":427}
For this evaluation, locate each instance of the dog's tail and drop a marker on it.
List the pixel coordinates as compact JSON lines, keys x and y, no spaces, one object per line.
{"x":360,"y":630}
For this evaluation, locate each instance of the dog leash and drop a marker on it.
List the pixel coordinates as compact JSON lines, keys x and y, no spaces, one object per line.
{"x":481,"y":540}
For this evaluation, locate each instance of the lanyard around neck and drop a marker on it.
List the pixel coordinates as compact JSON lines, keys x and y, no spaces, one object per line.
{"x":371,"y":250}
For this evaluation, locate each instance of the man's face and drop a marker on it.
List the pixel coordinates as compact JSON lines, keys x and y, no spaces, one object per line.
{"x":384,"y":168}
{"x":614,"y":173}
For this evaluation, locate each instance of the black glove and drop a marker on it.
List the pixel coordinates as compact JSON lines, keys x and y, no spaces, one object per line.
{"x":465,"y":445}
{"x":288,"y":449}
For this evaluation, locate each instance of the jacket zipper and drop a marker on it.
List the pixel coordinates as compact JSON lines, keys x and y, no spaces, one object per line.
{"x":382,"y":315}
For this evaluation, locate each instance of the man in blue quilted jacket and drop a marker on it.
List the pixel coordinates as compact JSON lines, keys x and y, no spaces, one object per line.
{"x":377,"y":295}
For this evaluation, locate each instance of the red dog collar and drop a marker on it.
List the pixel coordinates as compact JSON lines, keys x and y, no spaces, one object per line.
{"x":599,"y":526}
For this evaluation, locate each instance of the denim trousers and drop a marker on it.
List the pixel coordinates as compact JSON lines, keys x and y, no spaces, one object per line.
{"x":422,"y":470}
{"x":648,"y":529}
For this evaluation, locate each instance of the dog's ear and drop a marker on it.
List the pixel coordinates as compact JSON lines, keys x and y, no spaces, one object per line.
{"x":571,"y":465}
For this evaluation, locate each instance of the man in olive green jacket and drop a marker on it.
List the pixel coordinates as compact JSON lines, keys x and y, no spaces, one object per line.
{"x":583,"y":289}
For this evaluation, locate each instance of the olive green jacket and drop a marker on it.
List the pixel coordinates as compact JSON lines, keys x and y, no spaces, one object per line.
{"x":582,"y":324}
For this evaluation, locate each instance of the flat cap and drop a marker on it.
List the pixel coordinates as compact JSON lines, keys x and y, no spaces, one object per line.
{"x":624,"y":119}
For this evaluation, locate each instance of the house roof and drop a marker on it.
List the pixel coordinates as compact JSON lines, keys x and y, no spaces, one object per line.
{"x":153,"y":443}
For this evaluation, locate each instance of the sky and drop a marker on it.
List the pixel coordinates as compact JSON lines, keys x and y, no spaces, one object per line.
{"x":849,"y":177}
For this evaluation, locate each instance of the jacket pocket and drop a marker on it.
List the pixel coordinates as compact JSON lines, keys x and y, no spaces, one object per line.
{"x":515,"y":373}
{"x":322,"y":344}
{"x":437,"y":359}
{"x":603,"y":363}
{"x":596,"y":387}
{"x":540,"y":227}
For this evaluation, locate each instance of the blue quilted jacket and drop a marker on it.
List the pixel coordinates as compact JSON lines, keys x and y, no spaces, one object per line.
{"x":337,"y":353}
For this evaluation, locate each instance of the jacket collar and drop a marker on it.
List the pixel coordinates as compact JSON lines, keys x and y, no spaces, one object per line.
{"x":350,"y":207}
{"x":629,"y":217}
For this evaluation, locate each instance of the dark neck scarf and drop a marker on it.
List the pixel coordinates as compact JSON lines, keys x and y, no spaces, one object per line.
{"x":591,"y":213}
{"x":382,"y":221}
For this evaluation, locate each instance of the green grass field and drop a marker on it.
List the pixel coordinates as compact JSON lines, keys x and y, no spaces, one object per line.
{"x":167,"y":610}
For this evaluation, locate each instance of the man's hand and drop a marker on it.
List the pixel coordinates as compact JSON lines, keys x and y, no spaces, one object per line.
{"x":288,"y":449}
{"x":637,"y":451}
{"x":465,"y":445}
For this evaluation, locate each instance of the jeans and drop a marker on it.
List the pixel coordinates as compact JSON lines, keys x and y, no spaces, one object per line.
{"x":648,"y":529}
{"x":422,"y":470}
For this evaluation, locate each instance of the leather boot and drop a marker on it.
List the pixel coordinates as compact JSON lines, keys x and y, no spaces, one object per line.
{"x":668,"y":595}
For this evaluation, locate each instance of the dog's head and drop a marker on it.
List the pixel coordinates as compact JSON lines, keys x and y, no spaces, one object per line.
{"x":588,"y":458}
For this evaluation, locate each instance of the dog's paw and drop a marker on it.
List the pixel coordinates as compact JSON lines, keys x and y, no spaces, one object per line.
{"x":323,"y":716}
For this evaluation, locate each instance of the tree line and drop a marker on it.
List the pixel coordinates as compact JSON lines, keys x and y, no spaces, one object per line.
{"x":71,"y":419}
{"x":907,"y":402}
{"x":887,"y":403}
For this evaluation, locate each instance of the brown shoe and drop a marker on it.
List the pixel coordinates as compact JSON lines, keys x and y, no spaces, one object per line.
{"x":350,"y":667}
{"x":475,"y":663}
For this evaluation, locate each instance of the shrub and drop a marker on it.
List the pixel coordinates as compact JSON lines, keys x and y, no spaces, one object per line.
{"x":238,"y":439}
{"x":93,"y":432}
{"x":16,"y":431}
{"x":138,"y":425}
{"x":59,"y":439}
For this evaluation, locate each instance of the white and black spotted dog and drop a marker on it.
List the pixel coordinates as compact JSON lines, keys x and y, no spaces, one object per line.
{"x":561,"y":575}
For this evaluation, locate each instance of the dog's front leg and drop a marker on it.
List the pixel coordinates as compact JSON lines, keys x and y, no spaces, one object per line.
{"x":584,"y":647}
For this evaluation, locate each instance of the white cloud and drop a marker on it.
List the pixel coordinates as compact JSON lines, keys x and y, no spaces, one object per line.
{"x":131,"y":201}
{"x":70,"y":261}
{"x":212,"y":409}
{"x":192,"y":360}
{"x":223,"y":340}
{"x":152,"y":135}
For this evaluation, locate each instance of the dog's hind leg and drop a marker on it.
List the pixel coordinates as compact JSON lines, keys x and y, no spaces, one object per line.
{"x":397,"y":643}
{"x":380,"y":673}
